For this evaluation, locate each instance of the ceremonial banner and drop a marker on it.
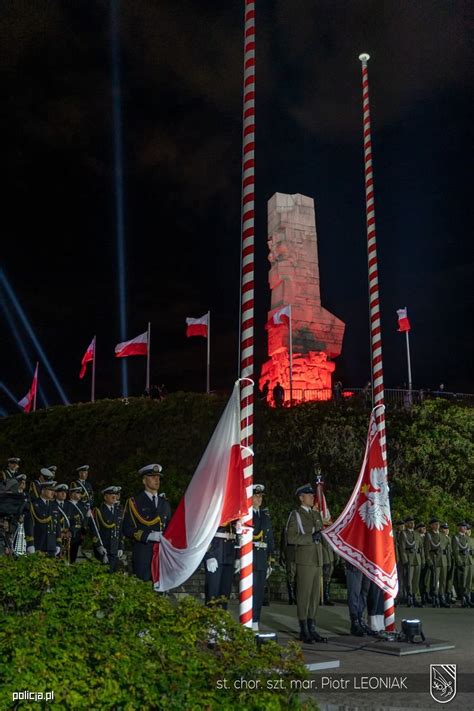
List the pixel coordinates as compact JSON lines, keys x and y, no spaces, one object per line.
{"x":363,"y":533}
{"x":29,"y":401}
{"x":87,"y":358}
{"x":215,"y":496}
{"x":197,"y":326}
{"x":323,"y":507}
{"x":137,"y":346}
{"x":403,"y":322}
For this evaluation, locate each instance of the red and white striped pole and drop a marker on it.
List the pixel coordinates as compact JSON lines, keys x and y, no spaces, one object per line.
{"x":247,"y":311}
{"x":378,"y":398}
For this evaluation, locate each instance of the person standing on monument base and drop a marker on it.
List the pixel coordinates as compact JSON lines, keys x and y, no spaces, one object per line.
{"x":304,"y":532}
{"x":278,"y":393}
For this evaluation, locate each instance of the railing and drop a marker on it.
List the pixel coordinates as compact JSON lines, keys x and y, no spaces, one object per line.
{"x":393,"y":396}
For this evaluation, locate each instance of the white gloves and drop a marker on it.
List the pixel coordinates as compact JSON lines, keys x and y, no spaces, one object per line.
{"x":236,"y":565}
{"x":101,"y":550}
{"x":119,"y":554}
{"x":57,"y":551}
{"x":269,"y":571}
{"x":154,"y":537}
{"x":88,"y":513}
{"x":30,"y":550}
{"x":212,"y":565}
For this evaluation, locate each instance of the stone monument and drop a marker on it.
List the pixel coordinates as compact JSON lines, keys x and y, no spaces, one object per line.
{"x":294,"y":281}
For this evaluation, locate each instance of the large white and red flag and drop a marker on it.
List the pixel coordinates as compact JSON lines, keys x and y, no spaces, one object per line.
{"x":363,"y":532}
{"x":403,"y":322}
{"x":215,"y":496}
{"x":136,"y":347}
{"x":279,"y":318}
{"x":87,"y":357}
{"x":29,"y":400}
{"x":197,"y":326}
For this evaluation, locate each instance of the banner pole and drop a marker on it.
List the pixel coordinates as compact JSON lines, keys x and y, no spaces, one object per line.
{"x":36,"y":387}
{"x":291,"y":358}
{"x":93,"y":372}
{"x":374,"y":302}
{"x":147,"y":386}
{"x":208,"y":370}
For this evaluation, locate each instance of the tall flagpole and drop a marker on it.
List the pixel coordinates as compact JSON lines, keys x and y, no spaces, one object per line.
{"x":410,"y":384}
{"x":247,"y":312}
{"x":147,"y":385}
{"x":93,"y":372}
{"x":36,"y":387}
{"x":374,"y":301}
{"x":208,"y":372}
{"x":291,"y":358}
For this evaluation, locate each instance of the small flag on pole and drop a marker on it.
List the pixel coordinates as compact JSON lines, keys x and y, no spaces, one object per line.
{"x":197,"y":326}
{"x":136,"y":347}
{"x":29,"y":401}
{"x":279,"y":318}
{"x":87,"y":358}
{"x":403,"y":322}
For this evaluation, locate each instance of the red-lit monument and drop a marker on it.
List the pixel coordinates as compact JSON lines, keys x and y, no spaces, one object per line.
{"x":294,"y":281}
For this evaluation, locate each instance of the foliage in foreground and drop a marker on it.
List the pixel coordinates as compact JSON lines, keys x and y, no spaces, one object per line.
{"x":104,"y":641}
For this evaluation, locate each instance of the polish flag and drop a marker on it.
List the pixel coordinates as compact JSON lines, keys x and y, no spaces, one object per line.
{"x":137,"y":346}
{"x":215,"y":496}
{"x":87,"y":357}
{"x":279,"y":318}
{"x":29,"y":400}
{"x":403,"y":322}
{"x":363,"y":533}
{"x":197,"y":326}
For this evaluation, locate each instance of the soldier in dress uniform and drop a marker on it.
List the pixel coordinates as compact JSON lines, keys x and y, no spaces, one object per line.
{"x":78,"y":515}
{"x":432,"y":544}
{"x":420,"y":528}
{"x":11,"y":470}
{"x":461,"y":553}
{"x":60,"y":503}
{"x":15,"y":518}
{"x":108,"y":518}
{"x":445,"y":567}
{"x":45,"y":475}
{"x":219,"y":564}
{"x":263,"y":547}
{"x":470,"y":578}
{"x":82,"y":479}
{"x":145,"y":519}
{"x":399,"y":528}
{"x":304,"y":531}
{"x":410,"y":545}
{"x":46,"y":522}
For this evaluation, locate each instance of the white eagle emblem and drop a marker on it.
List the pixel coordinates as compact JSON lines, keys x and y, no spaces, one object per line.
{"x":375,"y":511}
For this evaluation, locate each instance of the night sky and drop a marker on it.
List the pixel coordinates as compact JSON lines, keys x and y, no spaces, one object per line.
{"x":181,"y":87}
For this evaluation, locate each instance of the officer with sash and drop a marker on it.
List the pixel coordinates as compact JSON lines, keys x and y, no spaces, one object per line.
{"x":45,"y":475}
{"x":304,"y":532}
{"x":433,"y":554}
{"x":145,"y":519}
{"x":46,"y":522}
{"x":263,"y":547}
{"x":82,"y":479}
{"x":445,"y":567}
{"x":78,"y":515}
{"x":461,"y":554}
{"x":108,"y":537}
{"x":410,"y":546}
{"x":60,"y":503}
{"x":11,"y":470}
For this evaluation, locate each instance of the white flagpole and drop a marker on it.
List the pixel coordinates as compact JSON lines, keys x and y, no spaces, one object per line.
{"x":147,"y":385}
{"x":208,"y":374}
{"x":36,"y":388}
{"x":93,"y":372}
{"x":291,"y":359}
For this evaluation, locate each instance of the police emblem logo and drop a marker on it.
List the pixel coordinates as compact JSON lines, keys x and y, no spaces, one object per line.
{"x":443,"y":682}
